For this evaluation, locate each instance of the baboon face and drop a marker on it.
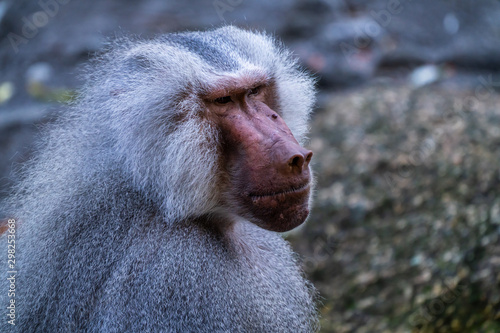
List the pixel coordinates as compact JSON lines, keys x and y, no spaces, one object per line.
{"x":269,"y":176}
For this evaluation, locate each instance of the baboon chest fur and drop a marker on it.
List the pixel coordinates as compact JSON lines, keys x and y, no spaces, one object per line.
{"x":156,"y":201}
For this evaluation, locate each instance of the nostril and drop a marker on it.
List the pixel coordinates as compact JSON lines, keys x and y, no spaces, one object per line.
{"x":300,"y":161}
{"x":297,"y":161}
{"x":309,"y":156}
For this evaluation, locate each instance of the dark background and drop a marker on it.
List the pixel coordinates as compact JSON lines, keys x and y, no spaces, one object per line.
{"x":404,"y":235}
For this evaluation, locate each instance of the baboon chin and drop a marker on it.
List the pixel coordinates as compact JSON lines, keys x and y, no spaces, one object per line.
{"x":120,"y":211}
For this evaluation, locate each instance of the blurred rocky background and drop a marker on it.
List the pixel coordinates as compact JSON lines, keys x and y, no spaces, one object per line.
{"x":404,"y":235}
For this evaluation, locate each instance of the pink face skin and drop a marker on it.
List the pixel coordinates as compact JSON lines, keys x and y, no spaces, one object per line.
{"x":268,"y":170}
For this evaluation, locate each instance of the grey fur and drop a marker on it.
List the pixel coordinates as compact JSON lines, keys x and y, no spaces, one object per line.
{"x":116,"y":214}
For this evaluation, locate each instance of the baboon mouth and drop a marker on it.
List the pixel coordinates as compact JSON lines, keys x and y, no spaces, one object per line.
{"x":299,"y":190}
{"x":281,"y":210}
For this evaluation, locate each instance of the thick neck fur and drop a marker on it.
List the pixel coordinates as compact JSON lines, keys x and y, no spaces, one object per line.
{"x":127,"y":270}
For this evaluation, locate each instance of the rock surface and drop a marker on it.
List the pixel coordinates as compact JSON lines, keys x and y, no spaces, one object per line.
{"x":405,"y":234}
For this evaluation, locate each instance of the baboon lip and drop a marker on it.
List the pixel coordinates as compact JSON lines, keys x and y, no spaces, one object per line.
{"x":292,"y":190}
{"x":282,"y":210}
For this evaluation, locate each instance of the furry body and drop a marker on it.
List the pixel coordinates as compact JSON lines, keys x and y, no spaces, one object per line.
{"x":122,"y":226}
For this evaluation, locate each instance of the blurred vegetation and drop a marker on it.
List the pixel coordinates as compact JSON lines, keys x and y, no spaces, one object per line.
{"x":404,"y":236}
{"x":44,"y":93}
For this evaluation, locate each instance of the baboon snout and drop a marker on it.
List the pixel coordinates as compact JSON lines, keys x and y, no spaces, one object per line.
{"x":299,"y":159}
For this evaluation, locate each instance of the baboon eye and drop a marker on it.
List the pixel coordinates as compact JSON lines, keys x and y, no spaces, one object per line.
{"x":254,"y":91}
{"x":223,"y":100}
